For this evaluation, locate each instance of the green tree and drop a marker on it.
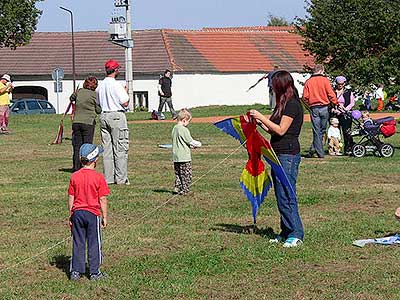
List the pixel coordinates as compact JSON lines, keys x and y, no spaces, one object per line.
{"x":357,"y":38}
{"x":18,"y":20}
{"x":277,"y":21}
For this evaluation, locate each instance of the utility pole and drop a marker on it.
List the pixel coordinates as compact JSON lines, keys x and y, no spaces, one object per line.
{"x":128,"y":57}
{"x":121,"y":34}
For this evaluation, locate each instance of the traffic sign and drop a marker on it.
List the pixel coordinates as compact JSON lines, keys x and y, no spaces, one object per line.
{"x":120,"y":3}
{"x":58,"y":87}
{"x":57,"y":74}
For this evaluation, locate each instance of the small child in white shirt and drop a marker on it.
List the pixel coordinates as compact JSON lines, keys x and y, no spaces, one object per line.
{"x":334,"y":137}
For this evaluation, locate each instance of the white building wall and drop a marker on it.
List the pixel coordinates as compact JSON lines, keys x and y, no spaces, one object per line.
{"x":193,"y":90}
{"x":189,"y":90}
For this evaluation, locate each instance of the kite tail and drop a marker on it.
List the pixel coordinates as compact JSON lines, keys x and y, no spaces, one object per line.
{"x":255,"y":200}
{"x":60,"y":133}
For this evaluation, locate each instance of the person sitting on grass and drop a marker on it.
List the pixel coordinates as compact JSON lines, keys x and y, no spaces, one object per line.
{"x":182,"y":141}
{"x":87,"y":204}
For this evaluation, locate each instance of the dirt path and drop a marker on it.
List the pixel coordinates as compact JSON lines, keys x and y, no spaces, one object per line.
{"x":216,"y":119}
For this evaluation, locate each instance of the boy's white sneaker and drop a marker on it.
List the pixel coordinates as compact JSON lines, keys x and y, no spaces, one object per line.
{"x":74,"y":276}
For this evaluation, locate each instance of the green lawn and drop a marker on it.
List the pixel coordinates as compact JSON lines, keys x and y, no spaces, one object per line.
{"x":216,"y":110}
{"x":160,"y":246}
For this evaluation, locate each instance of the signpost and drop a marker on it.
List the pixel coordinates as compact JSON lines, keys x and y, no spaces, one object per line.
{"x":57,"y":74}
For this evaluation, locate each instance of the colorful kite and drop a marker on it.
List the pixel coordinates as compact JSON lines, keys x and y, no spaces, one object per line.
{"x":255,"y":180}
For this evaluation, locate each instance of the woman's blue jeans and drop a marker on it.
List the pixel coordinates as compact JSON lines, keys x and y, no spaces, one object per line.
{"x":291,"y":225}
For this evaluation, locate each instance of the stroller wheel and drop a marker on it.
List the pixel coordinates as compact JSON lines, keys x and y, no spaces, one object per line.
{"x":358,"y":150}
{"x":386,"y":150}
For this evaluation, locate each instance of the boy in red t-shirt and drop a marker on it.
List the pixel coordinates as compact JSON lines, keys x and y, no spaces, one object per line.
{"x":87,"y":204}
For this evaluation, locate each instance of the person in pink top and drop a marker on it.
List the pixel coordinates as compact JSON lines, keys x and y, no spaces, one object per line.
{"x":88,"y":213}
{"x":346,"y":102}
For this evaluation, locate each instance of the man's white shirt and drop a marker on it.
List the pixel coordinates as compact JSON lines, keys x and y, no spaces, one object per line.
{"x":111,"y":95}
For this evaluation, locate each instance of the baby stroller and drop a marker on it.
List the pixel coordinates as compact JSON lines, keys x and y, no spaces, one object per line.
{"x":371,"y":133}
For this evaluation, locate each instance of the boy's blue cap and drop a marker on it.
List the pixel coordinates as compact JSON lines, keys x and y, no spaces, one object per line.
{"x":90,"y":151}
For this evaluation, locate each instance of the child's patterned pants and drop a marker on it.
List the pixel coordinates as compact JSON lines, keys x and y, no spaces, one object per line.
{"x":183,"y":177}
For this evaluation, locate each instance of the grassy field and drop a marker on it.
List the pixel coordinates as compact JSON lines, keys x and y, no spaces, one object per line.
{"x":203,"y":246}
{"x":207,"y":111}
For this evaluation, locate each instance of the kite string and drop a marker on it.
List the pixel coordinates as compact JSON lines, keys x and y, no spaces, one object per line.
{"x":34,"y":256}
{"x":23,"y":261}
{"x":145,"y":216}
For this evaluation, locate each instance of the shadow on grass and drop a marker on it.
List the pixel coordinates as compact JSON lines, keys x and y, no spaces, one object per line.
{"x":385,"y":234}
{"x":61,"y":262}
{"x":248,"y":229}
{"x":162,"y":191}
{"x":67,"y":170}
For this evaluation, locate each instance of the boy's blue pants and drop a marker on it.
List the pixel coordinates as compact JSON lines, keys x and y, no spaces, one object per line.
{"x":86,"y":228}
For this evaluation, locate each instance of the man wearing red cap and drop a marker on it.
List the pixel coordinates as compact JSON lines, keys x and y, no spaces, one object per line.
{"x":5,"y":89}
{"x":114,"y":100}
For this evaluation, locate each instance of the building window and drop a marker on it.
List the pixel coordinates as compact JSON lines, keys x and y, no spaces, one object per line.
{"x":141,"y":101}
{"x":30,"y":92}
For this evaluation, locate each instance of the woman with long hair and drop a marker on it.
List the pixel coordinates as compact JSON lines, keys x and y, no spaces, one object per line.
{"x":84,"y":122}
{"x":284,"y":125}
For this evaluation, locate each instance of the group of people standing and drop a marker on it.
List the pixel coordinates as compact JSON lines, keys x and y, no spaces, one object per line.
{"x":319,"y":96}
{"x":109,"y":99}
{"x":284,"y":125}
{"x":88,"y":190}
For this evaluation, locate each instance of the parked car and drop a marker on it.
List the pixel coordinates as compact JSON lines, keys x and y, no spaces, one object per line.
{"x":32,"y":106}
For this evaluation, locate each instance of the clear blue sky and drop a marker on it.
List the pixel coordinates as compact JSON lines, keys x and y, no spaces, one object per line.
{"x":174,"y":14}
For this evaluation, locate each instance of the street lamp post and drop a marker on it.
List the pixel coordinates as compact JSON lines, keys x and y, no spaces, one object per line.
{"x":73,"y":45}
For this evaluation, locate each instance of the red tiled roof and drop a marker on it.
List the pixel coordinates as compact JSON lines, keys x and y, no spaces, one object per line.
{"x":241,"y":49}
{"x":48,"y":50}
{"x":250,"y":28}
{"x":210,"y":50}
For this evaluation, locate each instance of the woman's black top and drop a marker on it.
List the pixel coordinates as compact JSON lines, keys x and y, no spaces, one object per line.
{"x":289,"y":142}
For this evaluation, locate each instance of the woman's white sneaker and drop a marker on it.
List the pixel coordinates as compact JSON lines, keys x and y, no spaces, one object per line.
{"x":292,"y":242}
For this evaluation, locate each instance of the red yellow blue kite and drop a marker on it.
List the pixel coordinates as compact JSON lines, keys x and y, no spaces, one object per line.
{"x":255,"y":180}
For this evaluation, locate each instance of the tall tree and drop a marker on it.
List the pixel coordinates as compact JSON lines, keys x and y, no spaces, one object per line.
{"x":277,"y":21}
{"x":357,"y":38}
{"x":18,"y":20}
